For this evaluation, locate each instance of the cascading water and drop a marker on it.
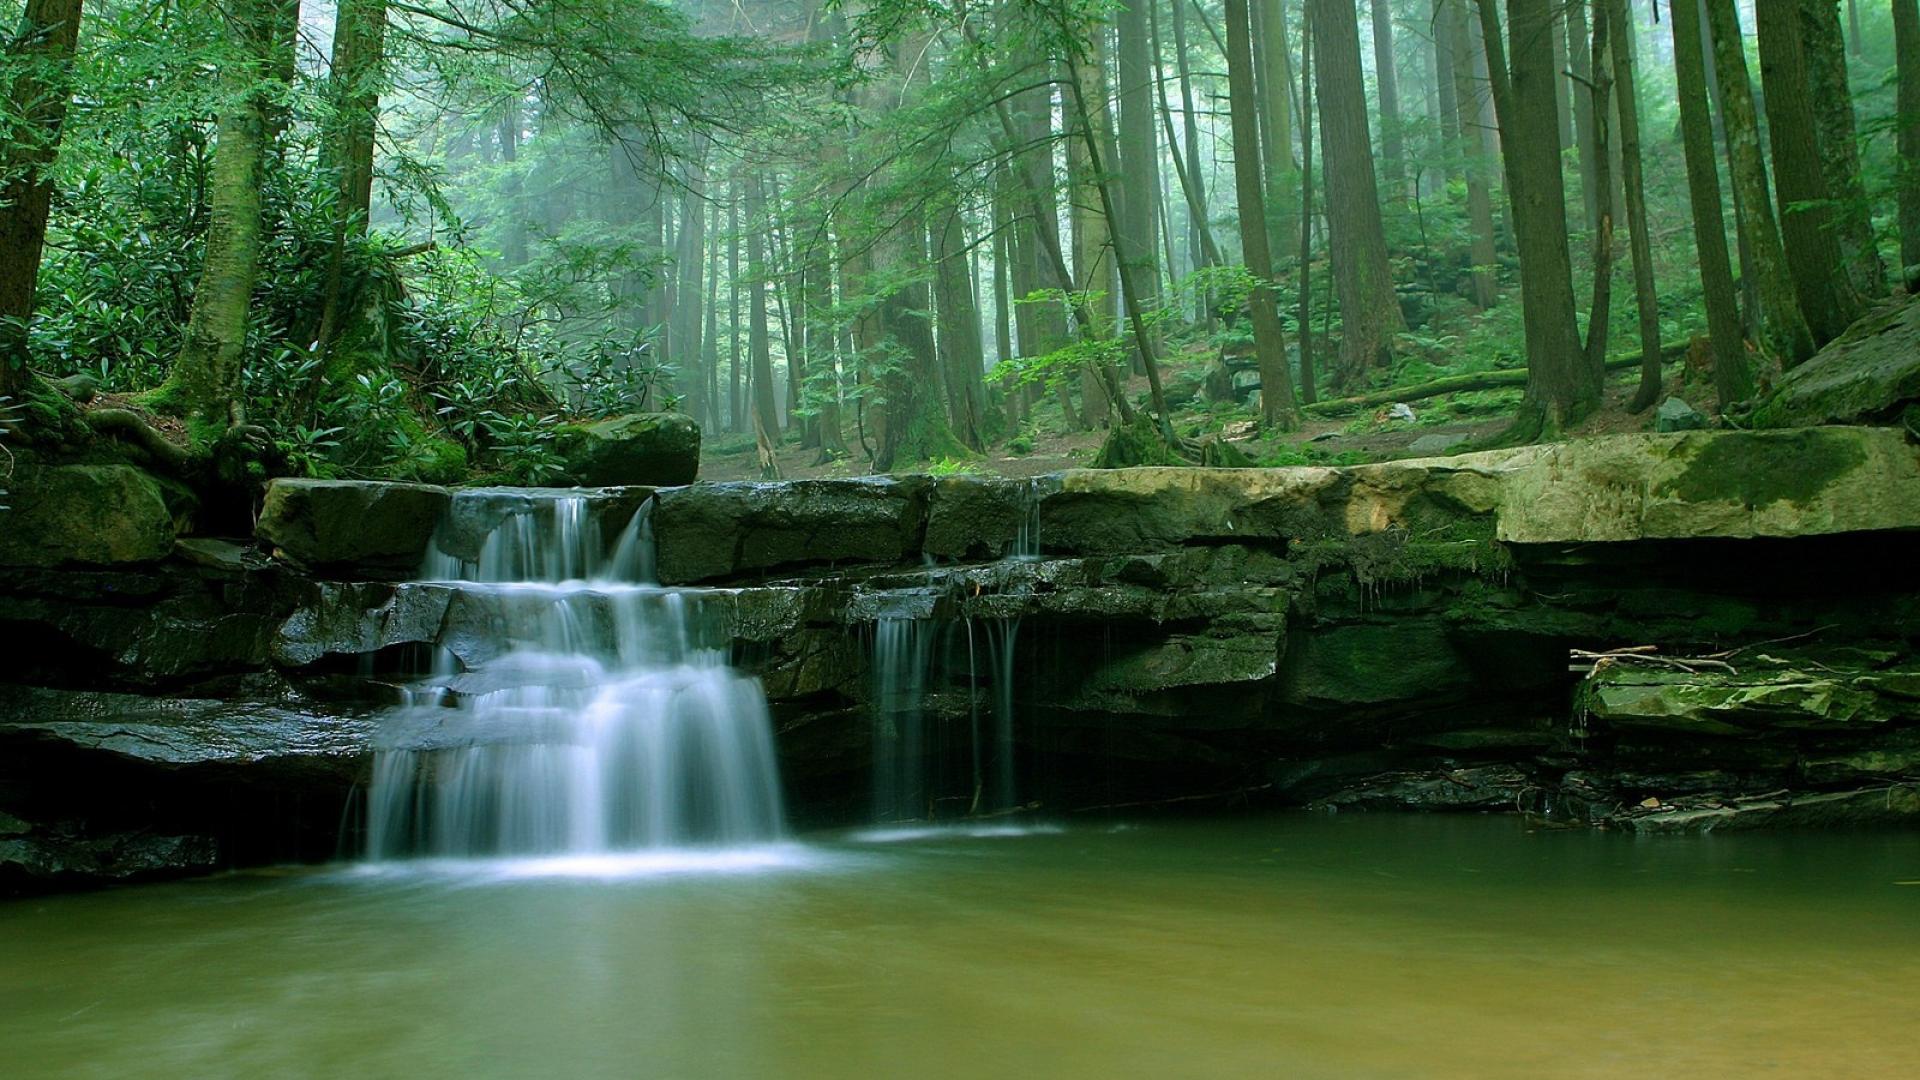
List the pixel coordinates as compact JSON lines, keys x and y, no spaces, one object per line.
{"x":592,"y":711}
{"x":900,"y":662}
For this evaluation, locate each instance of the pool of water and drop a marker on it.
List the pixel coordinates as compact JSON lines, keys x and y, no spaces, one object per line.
{"x":1296,"y":945}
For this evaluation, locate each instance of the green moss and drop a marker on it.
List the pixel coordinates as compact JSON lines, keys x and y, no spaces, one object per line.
{"x":1760,"y":471}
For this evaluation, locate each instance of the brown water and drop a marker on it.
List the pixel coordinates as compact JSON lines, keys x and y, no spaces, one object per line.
{"x":1372,"y":946}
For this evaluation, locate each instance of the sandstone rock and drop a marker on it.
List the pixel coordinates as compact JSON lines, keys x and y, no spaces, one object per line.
{"x":92,"y":514}
{"x":709,"y":531}
{"x":1760,"y":699}
{"x":1880,"y":805}
{"x":372,"y":527}
{"x":659,"y":449}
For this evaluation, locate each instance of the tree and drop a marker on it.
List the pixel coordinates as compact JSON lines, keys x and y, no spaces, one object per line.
{"x":1276,"y":135}
{"x":1393,"y":151}
{"x":204,"y":385}
{"x":766,"y":414}
{"x":1139,"y":160}
{"x":1783,"y":326}
{"x":1580,"y":68}
{"x":1731,"y":376}
{"x":1561,"y":385}
{"x":359,"y":54}
{"x":1626,"y":90}
{"x":1269,"y":341}
{"x":1369,"y":311}
{"x":39,"y":61}
{"x":1906,"y":47}
{"x":1308,"y":391}
{"x":1839,"y":149}
{"x":1476,"y":148}
{"x":1820,"y":279}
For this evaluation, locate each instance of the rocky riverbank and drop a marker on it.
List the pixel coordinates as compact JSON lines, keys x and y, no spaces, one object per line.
{"x":1745,"y":606}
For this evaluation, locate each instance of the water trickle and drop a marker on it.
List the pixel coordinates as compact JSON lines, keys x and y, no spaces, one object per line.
{"x":602,"y":717}
{"x":901,"y":656}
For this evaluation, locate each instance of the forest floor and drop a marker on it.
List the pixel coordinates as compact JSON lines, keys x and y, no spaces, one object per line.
{"x":1441,"y":426}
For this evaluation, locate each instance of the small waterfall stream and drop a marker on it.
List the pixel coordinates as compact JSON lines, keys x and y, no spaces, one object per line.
{"x":604,"y":718}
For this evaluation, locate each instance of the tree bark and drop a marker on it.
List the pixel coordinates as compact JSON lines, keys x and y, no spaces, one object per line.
{"x":735,"y":402}
{"x":961,"y":360}
{"x":40,"y":60}
{"x":1139,"y":161}
{"x":1783,"y":325}
{"x":1200,"y":244}
{"x":1732,"y":378}
{"x":205,"y":384}
{"x":1561,"y":385}
{"x":1476,"y":152}
{"x":1093,"y":262}
{"x":1581,"y":64}
{"x":766,"y":412}
{"x":1269,"y":341}
{"x":1309,"y":390}
{"x":1599,"y":91}
{"x":1369,"y":310}
{"x":1626,"y":91}
{"x":1834,"y":131}
{"x":1906,"y":49}
{"x":1807,"y":224}
{"x":1276,"y":136}
{"x":357,"y":71}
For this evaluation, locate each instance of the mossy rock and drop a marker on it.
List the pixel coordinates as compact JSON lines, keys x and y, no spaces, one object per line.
{"x":92,"y":514}
{"x":1870,"y":374}
{"x":367,"y":526}
{"x":658,"y":449}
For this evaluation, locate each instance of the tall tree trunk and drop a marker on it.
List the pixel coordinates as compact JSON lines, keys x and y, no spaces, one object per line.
{"x":736,"y":407}
{"x":1369,"y":310}
{"x":1732,"y":378}
{"x":1599,"y":90}
{"x":1440,"y":20}
{"x":1309,"y":391}
{"x":1561,"y":385}
{"x":960,"y":351}
{"x":1200,"y":237}
{"x":690,"y":256}
{"x":1269,"y":341}
{"x":1093,"y":262}
{"x":1201,"y":248}
{"x":1838,"y":142}
{"x":205,"y":384}
{"x":1476,"y":151}
{"x":1626,"y":90}
{"x":1139,"y":161}
{"x":359,"y":58}
{"x":1393,"y":151}
{"x":1906,"y":48}
{"x":1276,"y":136}
{"x":1807,"y":225}
{"x":710,"y":337}
{"x":1783,"y":326}
{"x":1038,"y":263}
{"x":766,"y":411}
{"x":40,"y":63}
{"x":1581,"y":65}
{"x":513,"y":233}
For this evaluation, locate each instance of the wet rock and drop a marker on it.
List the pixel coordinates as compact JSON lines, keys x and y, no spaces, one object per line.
{"x":1883,"y":805}
{"x":1719,"y":703}
{"x":475,"y":512}
{"x":974,"y":518}
{"x":712,"y":531}
{"x":73,"y":854}
{"x":90,"y":514}
{"x":1869,"y":374}
{"x":174,"y":732}
{"x":361,"y":617}
{"x":364,"y":527}
{"x":1484,"y":788}
{"x":1676,"y":415}
{"x":656,"y":449}
{"x":211,"y":554}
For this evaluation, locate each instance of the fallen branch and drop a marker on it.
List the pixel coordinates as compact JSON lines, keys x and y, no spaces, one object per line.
{"x":127,"y":425}
{"x":1459,"y":384}
{"x":1648,"y":654}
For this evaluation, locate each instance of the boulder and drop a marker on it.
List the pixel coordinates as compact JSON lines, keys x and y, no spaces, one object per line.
{"x":974,"y":518}
{"x":637,"y":449}
{"x":1676,"y":415}
{"x":1814,"y":697}
{"x":1710,"y":484}
{"x":1870,"y":374}
{"x":710,"y":531}
{"x":89,"y":514}
{"x":367,"y":526}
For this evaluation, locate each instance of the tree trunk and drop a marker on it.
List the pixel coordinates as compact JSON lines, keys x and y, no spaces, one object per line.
{"x":1477,"y":153}
{"x":1839,"y":147}
{"x":766,"y":411}
{"x":1626,"y":92}
{"x":1783,"y":326}
{"x":513,"y":233}
{"x":30,"y":126}
{"x":1201,"y":248}
{"x":1269,"y":341}
{"x":359,"y":59}
{"x":1599,"y":90}
{"x":1139,"y":162}
{"x":1309,"y":391}
{"x":1200,"y":243}
{"x":1906,"y":48}
{"x":960,"y":351}
{"x":1092,"y":236}
{"x":1393,"y":150}
{"x":1807,"y":224}
{"x":1732,"y":378}
{"x":1581,"y":64}
{"x":1276,"y":137}
{"x":735,"y":404}
{"x":690,"y":254}
{"x":1369,"y":311}
{"x":205,"y":384}
{"x":1561,"y":385}
{"x":710,"y":337}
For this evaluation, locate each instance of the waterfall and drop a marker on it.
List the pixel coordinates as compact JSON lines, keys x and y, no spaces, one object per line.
{"x":596,"y":714}
{"x":901,"y":656}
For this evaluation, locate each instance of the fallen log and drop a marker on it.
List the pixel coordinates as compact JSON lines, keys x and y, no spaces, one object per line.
{"x":1458,"y":384}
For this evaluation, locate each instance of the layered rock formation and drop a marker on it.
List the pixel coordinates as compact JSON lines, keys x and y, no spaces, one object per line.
{"x":1393,"y":635}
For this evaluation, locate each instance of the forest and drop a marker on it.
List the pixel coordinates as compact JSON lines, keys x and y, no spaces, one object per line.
{"x":386,"y":239}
